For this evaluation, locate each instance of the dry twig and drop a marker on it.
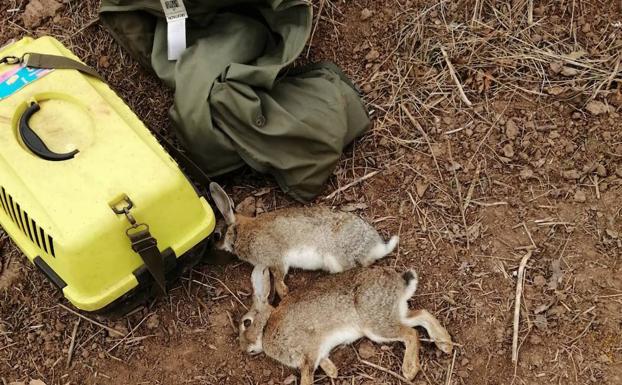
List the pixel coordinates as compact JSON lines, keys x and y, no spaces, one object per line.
{"x":519,"y":294}
{"x":353,"y":183}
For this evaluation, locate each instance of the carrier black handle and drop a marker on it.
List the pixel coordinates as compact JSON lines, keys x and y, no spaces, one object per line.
{"x":32,"y":140}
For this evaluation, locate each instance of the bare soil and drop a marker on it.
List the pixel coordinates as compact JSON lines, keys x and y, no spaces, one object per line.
{"x":535,"y":163}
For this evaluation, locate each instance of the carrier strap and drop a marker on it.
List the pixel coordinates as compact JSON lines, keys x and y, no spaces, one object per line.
{"x":40,"y":60}
{"x":145,"y":245}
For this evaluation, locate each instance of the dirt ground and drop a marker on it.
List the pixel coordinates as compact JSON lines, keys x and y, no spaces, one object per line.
{"x":496,"y":133}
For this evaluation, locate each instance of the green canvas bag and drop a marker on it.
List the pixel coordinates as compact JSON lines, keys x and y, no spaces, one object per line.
{"x":237,"y":100}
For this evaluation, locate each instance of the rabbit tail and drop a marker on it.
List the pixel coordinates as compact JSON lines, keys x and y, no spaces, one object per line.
{"x":380,"y":250}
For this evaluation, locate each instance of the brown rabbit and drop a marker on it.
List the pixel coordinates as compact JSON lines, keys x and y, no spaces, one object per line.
{"x":337,"y":309}
{"x":315,"y":238}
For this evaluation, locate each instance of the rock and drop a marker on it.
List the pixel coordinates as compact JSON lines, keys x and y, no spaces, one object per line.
{"x":366,"y":14}
{"x":372,"y":55}
{"x":511,"y":129}
{"x":152,"y":322}
{"x":526,"y":173}
{"x":247,"y":207}
{"x":569,"y":71}
{"x":366,"y":350}
{"x":508,"y":150}
{"x":556,"y":67}
{"x":121,"y":330}
{"x":104,"y":61}
{"x":541,"y":322}
{"x":539,"y":281}
{"x":595,"y":107}
{"x":571,"y":174}
{"x":601,"y":170}
{"x":421,"y":187}
{"x":579,"y":196}
{"x":38,"y":10}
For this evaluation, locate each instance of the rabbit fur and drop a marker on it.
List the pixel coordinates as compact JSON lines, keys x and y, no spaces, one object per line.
{"x":310,"y":238}
{"x":337,"y":309}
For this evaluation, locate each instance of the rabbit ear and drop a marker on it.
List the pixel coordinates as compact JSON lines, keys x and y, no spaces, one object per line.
{"x":223,"y":202}
{"x":260,"y":278}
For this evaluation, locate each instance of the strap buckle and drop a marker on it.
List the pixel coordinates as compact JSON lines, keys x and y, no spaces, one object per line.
{"x":11,"y":60}
{"x":143,"y":243}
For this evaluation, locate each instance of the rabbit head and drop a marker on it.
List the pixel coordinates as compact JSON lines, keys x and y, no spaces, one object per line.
{"x":252,"y":323}
{"x":226,"y":229}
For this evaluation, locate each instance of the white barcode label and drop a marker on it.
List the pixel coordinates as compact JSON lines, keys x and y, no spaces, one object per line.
{"x":174,"y":9}
{"x":176,"y":15}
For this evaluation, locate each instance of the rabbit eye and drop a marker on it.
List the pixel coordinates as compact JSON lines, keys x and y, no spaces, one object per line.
{"x":217,"y":235}
{"x":247,"y":323}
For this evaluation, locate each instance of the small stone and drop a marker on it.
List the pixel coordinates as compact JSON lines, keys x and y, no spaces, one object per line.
{"x":462,"y":373}
{"x":511,"y":129}
{"x":579,"y":196}
{"x":508,"y":150}
{"x":104,"y":62}
{"x":464,"y":362}
{"x":421,"y":187}
{"x":290,"y":379}
{"x":571,"y":174}
{"x":541,"y":322}
{"x":586,"y":28}
{"x":267,"y":372}
{"x":556,"y":67}
{"x":576,"y":115}
{"x":539,"y":281}
{"x":595,"y":107}
{"x":121,"y":330}
{"x":372,"y":55}
{"x":153,"y":322}
{"x":569,"y":71}
{"x":366,"y":350}
{"x":38,"y":10}
{"x":366,"y":14}
{"x":526,"y":173}
{"x":601,"y":170}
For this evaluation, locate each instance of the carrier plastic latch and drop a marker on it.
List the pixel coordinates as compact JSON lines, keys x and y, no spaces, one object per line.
{"x":144,"y":244}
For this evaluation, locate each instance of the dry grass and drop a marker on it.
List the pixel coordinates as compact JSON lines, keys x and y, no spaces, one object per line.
{"x":433,"y":170}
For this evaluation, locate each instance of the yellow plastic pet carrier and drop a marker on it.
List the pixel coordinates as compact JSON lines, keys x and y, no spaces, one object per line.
{"x":86,"y":192}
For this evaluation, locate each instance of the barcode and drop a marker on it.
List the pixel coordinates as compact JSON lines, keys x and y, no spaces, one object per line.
{"x":170,"y":4}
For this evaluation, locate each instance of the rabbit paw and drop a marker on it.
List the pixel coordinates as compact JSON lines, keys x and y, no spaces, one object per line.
{"x":445,"y":344}
{"x":329,"y":368}
{"x":410,"y":368}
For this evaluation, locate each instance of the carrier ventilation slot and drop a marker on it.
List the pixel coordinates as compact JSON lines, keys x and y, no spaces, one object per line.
{"x":25,"y":223}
